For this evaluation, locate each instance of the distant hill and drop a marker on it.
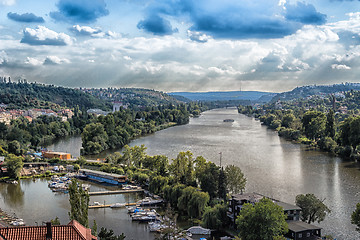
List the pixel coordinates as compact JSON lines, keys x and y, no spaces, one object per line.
{"x":306,"y":91}
{"x":32,"y":95}
{"x":254,"y":96}
{"x":134,"y":97}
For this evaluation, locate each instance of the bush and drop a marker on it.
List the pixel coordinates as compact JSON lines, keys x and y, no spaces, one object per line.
{"x":289,"y":133}
{"x":327,"y":144}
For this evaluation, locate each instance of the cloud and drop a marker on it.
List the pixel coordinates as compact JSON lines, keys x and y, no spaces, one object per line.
{"x":54,"y":60}
{"x":92,"y":32}
{"x":25,"y":17}
{"x":85,"y":30}
{"x":232,"y":19}
{"x":156,"y":25}
{"x":33,"y":61}
{"x":198,"y":36}
{"x":304,"y":13}
{"x":80,"y":10}
{"x":340,"y":67}
{"x":44,"y":36}
{"x":7,"y":2}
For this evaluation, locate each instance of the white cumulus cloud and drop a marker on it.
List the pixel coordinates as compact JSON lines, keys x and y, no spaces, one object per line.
{"x":44,"y":36}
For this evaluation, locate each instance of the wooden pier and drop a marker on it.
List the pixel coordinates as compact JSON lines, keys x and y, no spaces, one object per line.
{"x":116,"y":192}
{"x":109,"y":205}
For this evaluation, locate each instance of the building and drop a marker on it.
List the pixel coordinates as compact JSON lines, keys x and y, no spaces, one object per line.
{"x":98,"y":176}
{"x":297,"y":230}
{"x":60,"y":155}
{"x":74,"y":231}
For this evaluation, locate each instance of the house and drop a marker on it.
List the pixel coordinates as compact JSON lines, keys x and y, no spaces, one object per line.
{"x":73,"y":230}
{"x":61,"y":155}
{"x":297,"y":230}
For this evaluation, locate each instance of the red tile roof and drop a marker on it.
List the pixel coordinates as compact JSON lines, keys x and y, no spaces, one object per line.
{"x":74,"y":231}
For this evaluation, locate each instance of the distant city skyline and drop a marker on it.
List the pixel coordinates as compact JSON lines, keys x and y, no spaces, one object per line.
{"x":181,"y":45}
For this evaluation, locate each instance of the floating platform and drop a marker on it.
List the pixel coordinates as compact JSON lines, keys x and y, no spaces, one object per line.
{"x":116,"y":192}
{"x":109,"y":205}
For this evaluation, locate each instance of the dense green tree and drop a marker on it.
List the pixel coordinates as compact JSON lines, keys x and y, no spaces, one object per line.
{"x":105,"y":234}
{"x":182,"y":167}
{"x":79,"y":203}
{"x":262,"y":221}
{"x":94,"y":228}
{"x":94,"y":138}
{"x":313,"y":209}
{"x":14,"y":165}
{"x":288,"y":120}
{"x":355,"y":217}
{"x":215,"y":217}
{"x":236,"y":180}
{"x":209,"y":180}
{"x":197,"y":204}
{"x":330,"y":124}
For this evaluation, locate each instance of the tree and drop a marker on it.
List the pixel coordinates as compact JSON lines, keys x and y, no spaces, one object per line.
{"x":262,"y":221}
{"x":94,"y":228}
{"x":216,"y":217}
{"x":313,"y":209}
{"x":236,"y":180}
{"x":330,"y":124}
{"x":183,"y":168}
{"x":105,"y":234}
{"x":79,"y":203}
{"x":222,"y":184}
{"x":209,"y":179}
{"x":14,"y":165}
{"x":55,"y":221}
{"x":355,"y":217}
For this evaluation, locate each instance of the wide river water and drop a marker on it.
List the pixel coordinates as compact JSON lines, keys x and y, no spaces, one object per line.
{"x":273,"y":166}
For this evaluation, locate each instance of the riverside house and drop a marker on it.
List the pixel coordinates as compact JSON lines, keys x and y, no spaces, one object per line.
{"x":298,"y":230}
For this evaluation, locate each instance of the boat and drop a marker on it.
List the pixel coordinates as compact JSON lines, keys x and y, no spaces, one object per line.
{"x":198,"y":230}
{"x":229,"y":120}
{"x":97,"y":204}
{"x":118,"y":205}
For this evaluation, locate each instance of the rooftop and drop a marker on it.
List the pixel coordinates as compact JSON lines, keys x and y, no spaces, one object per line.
{"x":74,"y":231}
{"x":299,"y":226}
{"x":287,"y":206}
{"x":252,"y":197}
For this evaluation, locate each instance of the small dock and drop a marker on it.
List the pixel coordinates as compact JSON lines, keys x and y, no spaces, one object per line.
{"x":116,"y":192}
{"x":109,"y":205}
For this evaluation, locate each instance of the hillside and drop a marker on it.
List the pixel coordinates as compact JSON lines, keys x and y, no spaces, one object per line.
{"x":134,"y":97}
{"x":307,"y":91}
{"x":225,"y":96}
{"x":32,"y":95}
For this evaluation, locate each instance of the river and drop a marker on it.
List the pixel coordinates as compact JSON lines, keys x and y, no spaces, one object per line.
{"x":273,"y":166}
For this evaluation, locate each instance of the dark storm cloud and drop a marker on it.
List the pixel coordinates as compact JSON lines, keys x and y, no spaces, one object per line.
{"x":80,"y":10}
{"x":25,"y":17}
{"x":156,"y":25}
{"x":304,"y":13}
{"x":236,"y":20}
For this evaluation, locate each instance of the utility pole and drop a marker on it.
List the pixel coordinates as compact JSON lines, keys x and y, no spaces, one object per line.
{"x":220,"y":157}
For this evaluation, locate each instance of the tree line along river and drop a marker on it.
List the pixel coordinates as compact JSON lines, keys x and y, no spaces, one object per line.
{"x":273,"y":166}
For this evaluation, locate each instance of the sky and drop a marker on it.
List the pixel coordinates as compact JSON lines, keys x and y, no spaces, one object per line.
{"x":181,"y":45}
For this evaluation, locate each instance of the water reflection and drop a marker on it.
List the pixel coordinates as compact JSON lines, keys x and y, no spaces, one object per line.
{"x":12,"y":195}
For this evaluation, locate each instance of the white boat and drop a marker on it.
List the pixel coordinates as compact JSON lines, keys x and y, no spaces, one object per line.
{"x":199,"y":230}
{"x":96,"y":204}
{"x":118,"y":205}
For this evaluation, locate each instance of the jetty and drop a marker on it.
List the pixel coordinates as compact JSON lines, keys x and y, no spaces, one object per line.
{"x":116,"y":192}
{"x":109,"y":205}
